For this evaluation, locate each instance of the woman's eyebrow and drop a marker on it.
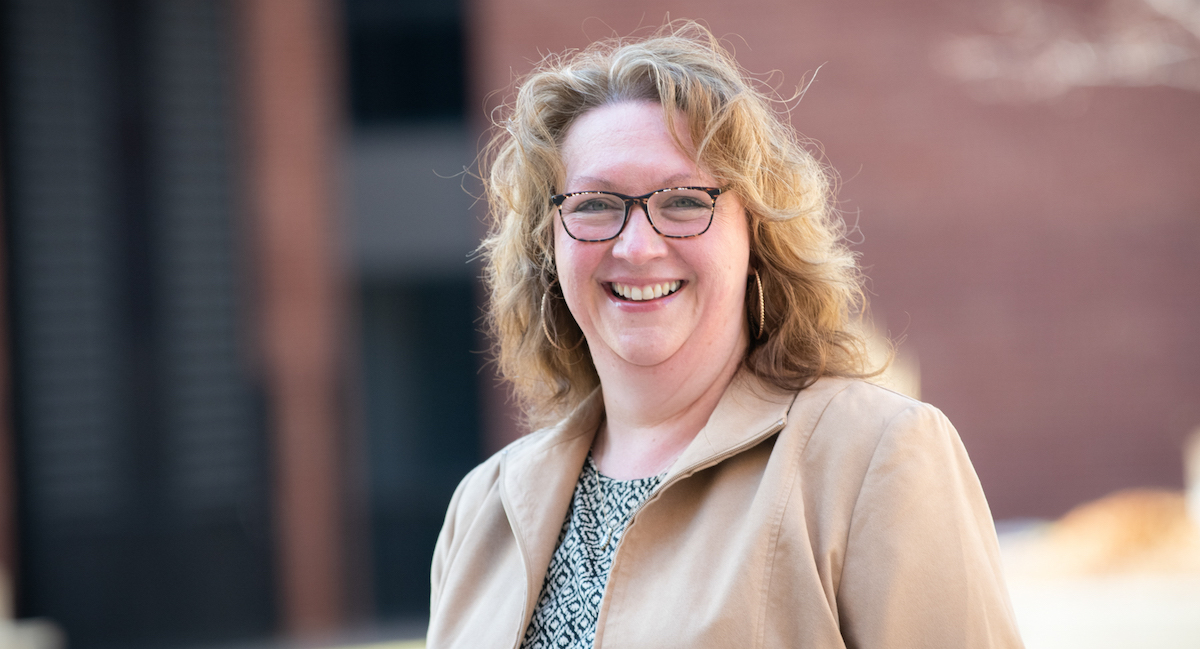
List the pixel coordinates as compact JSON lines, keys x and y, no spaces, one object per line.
{"x":599,"y":184}
{"x":591,"y":182}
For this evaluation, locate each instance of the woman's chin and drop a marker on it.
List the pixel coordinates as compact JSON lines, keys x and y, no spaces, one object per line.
{"x":646,"y":351}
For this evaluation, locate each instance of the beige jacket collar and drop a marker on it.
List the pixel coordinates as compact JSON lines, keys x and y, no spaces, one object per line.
{"x":538,"y":474}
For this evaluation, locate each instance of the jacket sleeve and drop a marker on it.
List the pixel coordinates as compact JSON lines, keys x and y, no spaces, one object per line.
{"x":921,"y":565}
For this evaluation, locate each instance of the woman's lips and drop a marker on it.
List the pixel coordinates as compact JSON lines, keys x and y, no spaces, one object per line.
{"x":641,"y":293}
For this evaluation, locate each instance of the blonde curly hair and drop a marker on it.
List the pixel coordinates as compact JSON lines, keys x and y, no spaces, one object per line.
{"x":810,"y":278}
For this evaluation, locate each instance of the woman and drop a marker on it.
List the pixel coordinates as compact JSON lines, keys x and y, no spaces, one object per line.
{"x":669,"y":287}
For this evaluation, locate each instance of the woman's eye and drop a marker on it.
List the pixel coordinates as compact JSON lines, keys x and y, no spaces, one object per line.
{"x":595,"y":205}
{"x":684,"y":203}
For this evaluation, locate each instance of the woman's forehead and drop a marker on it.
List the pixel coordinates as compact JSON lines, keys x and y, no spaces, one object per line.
{"x":629,"y":143}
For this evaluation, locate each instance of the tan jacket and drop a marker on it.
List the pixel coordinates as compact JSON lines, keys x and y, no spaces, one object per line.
{"x":844,"y":516}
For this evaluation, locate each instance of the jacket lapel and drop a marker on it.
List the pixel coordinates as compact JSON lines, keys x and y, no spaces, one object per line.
{"x":748,"y":412}
{"x":537,"y":480}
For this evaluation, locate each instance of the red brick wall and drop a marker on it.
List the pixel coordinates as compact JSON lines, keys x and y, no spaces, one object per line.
{"x":293,"y":123}
{"x":1040,"y":256}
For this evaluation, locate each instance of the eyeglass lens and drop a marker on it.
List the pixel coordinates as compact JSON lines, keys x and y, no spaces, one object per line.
{"x":673,"y":212}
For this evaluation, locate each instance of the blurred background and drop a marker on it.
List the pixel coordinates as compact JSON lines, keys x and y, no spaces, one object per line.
{"x":242,"y":370}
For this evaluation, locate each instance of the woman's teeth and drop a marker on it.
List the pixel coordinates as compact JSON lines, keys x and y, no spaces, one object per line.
{"x":648,"y":292}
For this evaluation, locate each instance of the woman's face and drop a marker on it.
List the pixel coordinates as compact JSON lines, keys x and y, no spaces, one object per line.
{"x":626,"y":148}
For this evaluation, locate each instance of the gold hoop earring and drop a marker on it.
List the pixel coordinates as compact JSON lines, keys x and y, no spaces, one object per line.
{"x":546,"y":330}
{"x":762,"y":307}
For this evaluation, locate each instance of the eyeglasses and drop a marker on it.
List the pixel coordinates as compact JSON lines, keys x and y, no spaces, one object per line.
{"x":675,"y":212}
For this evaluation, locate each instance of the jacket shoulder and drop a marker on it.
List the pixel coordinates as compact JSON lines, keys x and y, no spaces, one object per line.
{"x":856,"y":397}
{"x":882,"y":417}
{"x":855,"y":426}
{"x":851,"y":411}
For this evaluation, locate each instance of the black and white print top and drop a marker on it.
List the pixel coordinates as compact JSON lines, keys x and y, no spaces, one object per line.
{"x":569,"y":605}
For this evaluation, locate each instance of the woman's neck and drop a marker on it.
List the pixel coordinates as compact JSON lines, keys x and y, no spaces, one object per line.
{"x":653,"y":413}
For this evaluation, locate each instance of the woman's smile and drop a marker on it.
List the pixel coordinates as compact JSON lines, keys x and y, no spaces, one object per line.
{"x":644,"y":292}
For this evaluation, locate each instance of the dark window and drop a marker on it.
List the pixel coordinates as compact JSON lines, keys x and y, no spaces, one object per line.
{"x":422,"y":418}
{"x":406,"y":60}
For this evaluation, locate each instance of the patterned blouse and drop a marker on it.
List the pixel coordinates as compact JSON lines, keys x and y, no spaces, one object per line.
{"x":569,"y":605}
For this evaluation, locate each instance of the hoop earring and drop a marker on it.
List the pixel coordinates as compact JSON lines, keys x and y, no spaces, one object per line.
{"x":546,"y":330}
{"x":762,"y":308}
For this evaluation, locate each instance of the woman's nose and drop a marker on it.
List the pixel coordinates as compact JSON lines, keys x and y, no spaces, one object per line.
{"x":639,"y":242}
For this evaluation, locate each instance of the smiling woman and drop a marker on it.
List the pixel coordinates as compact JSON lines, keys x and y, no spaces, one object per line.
{"x":671,"y":297}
